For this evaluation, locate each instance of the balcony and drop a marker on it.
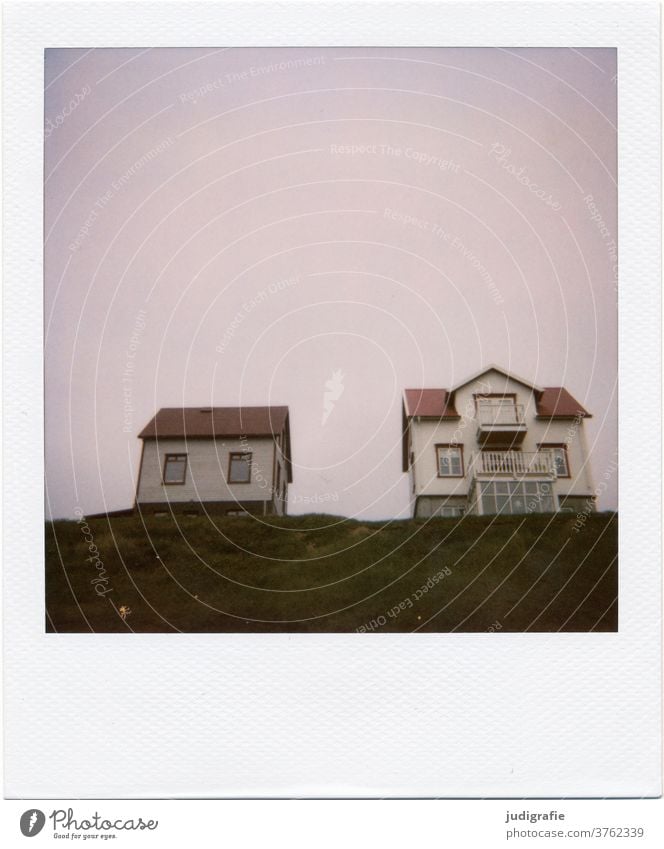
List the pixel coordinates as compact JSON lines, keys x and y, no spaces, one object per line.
{"x":500,"y":422}
{"x":514,"y":464}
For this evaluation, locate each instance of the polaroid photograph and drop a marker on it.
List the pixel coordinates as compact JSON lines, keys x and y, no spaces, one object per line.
{"x":338,"y":367}
{"x":332,"y":402}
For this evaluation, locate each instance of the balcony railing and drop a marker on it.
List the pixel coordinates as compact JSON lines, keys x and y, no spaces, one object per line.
{"x":515,"y":464}
{"x":491,"y":415}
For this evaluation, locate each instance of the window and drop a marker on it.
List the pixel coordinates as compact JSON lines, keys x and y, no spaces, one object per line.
{"x":517,"y":497}
{"x":239,"y":468}
{"x":560,"y":460}
{"x":450,"y":461}
{"x":498,"y":410}
{"x":175,"y":468}
{"x":451,"y":511}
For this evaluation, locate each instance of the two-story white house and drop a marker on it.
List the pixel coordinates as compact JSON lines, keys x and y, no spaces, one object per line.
{"x":495,"y":443}
{"x":229,"y":460}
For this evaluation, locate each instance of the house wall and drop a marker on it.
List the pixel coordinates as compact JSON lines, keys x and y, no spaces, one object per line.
{"x":463,"y":431}
{"x":207,"y":470}
{"x":432,"y":506}
{"x":280,"y":477}
{"x":411,"y":468}
{"x":425,"y":436}
{"x":570,"y":433}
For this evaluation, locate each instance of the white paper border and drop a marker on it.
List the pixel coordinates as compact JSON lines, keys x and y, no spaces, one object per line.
{"x":456,"y":715}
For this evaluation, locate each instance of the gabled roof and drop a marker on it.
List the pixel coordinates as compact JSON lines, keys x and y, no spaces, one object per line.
{"x":212,"y":422}
{"x":500,"y":370}
{"x":429,"y":403}
{"x":552,"y":402}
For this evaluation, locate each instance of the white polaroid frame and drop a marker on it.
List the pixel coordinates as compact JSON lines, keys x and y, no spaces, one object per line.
{"x":443,"y":715}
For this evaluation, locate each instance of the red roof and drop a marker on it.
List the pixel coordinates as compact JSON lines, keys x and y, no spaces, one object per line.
{"x":553,"y":402}
{"x":556,"y":402}
{"x":211,"y":422}
{"x":429,"y":403}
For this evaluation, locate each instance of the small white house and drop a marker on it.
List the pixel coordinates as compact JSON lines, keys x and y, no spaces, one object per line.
{"x":495,"y":443}
{"x":229,"y":460}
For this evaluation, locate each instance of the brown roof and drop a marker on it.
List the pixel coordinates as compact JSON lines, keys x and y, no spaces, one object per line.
{"x":552,"y":402}
{"x":429,"y":403}
{"x":210,"y":422}
{"x":556,"y":402}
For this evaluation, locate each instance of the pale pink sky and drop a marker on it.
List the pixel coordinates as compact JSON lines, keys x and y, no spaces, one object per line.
{"x":380,"y":183}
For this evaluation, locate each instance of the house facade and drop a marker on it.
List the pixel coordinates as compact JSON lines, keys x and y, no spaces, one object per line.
{"x":495,"y":443}
{"x":223,"y":460}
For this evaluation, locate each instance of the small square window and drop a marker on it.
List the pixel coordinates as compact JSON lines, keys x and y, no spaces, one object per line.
{"x":239,"y":468}
{"x":450,"y":461}
{"x":175,"y":468}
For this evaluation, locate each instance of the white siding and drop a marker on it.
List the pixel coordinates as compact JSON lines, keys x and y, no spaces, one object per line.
{"x":570,"y":433}
{"x":207,"y":470}
{"x":426,"y":435}
{"x":463,"y":431}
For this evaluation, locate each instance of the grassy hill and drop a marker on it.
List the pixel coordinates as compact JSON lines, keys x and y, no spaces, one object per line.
{"x":324,"y":573}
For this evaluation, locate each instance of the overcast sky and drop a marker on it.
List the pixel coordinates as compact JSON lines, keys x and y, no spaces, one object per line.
{"x":235,"y":226}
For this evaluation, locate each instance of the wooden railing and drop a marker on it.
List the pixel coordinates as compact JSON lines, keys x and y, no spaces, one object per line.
{"x":514,"y":463}
{"x":490,"y":415}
